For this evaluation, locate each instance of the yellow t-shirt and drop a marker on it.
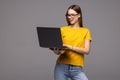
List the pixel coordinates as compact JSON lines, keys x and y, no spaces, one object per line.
{"x":74,"y":37}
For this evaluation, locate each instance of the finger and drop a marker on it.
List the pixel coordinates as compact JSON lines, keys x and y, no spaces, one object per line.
{"x":64,"y":45}
{"x":58,"y":50}
{"x":55,"y":49}
{"x":51,"y":48}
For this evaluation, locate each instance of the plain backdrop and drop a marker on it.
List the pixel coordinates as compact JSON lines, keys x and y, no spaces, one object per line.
{"x":21,"y":58}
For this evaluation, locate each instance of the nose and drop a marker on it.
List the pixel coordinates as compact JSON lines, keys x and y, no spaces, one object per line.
{"x":70,"y":17}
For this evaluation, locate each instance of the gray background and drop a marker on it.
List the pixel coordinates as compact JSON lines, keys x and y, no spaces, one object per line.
{"x":21,"y":58}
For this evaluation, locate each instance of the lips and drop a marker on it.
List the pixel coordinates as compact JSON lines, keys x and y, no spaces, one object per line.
{"x":71,"y":20}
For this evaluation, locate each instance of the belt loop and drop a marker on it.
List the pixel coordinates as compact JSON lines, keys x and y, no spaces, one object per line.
{"x":68,"y":67}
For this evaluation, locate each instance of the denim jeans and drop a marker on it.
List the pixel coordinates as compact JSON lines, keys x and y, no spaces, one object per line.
{"x":65,"y":71}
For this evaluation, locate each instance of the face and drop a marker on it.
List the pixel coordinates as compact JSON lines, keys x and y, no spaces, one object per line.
{"x":73,"y":16}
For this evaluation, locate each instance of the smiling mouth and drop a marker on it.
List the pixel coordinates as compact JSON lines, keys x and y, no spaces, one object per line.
{"x":71,"y":20}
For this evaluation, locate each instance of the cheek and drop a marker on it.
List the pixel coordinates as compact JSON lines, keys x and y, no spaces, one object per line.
{"x":75,"y":19}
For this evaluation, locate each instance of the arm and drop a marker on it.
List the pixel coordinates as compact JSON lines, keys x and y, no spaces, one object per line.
{"x":84,"y":50}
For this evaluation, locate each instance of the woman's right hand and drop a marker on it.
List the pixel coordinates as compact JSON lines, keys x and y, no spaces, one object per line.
{"x":55,"y":50}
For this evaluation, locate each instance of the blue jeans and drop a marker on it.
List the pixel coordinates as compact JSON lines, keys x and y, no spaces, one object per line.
{"x":65,"y":71}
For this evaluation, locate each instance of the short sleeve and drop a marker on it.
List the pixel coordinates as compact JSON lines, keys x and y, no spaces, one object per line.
{"x":88,"y":35}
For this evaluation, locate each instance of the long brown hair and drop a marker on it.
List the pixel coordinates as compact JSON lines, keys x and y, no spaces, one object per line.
{"x":78,"y":10}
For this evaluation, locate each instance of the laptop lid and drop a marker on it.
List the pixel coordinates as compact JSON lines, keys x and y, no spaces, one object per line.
{"x":49,"y":37}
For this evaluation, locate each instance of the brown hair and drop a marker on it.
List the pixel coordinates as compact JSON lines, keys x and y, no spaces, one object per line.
{"x":78,"y":10}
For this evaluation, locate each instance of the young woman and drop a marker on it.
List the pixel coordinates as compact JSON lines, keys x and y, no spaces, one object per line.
{"x":76,"y":42}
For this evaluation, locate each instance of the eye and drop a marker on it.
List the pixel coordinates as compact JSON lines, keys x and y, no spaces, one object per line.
{"x":73,"y":15}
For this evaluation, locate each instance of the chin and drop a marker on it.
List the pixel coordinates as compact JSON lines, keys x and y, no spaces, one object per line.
{"x":72,"y":23}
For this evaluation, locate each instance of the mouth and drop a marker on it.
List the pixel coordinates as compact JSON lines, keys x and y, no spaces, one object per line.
{"x":70,"y":20}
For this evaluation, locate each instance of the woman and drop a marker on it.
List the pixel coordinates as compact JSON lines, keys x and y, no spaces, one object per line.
{"x":76,"y":42}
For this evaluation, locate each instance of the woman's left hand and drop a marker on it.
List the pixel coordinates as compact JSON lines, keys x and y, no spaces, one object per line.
{"x":67,"y":46}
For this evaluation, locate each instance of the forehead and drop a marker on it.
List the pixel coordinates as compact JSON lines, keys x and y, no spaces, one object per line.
{"x":71,"y":11}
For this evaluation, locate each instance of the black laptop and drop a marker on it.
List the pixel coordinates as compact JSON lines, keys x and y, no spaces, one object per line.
{"x":50,"y":37}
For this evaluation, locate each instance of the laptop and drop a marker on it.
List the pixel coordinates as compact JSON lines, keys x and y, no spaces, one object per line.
{"x":49,"y":37}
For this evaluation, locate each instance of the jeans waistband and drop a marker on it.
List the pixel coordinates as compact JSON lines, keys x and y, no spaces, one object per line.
{"x":71,"y":67}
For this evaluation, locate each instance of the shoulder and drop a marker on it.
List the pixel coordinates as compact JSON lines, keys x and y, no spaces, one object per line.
{"x":85,"y":29}
{"x":64,"y":28}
